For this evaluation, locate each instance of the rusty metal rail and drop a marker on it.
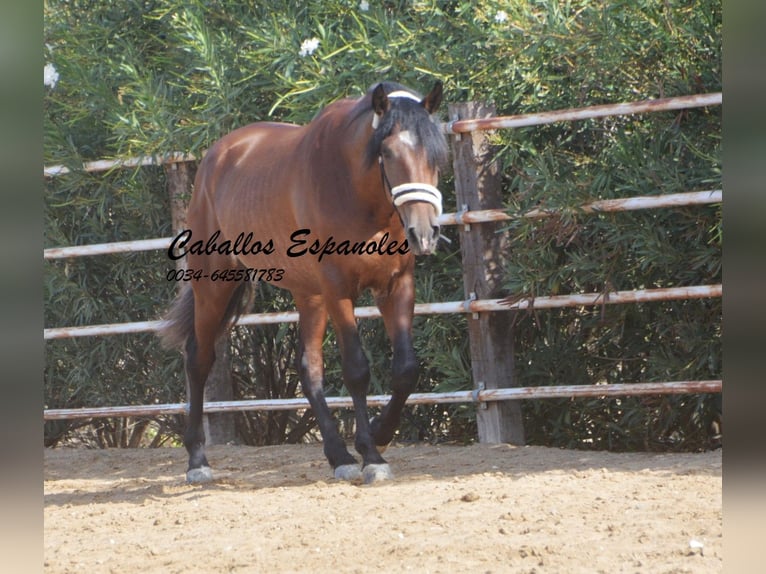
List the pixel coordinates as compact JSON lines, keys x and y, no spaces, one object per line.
{"x":458,"y":126}
{"x":107,"y":164}
{"x":107,"y":248}
{"x":458,"y":218}
{"x":468,"y":306}
{"x":516,"y":393}
{"x":453,"y":127}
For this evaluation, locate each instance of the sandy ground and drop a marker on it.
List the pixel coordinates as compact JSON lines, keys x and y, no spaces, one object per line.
{"x":450,"y":509}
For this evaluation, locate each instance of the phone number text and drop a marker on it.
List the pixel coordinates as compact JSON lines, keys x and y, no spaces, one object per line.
{"x":249,"y":274}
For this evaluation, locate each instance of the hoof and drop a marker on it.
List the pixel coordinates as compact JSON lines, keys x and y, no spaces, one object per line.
{"x":377,"y":472}
{"x":349,"y":472}
{"x":199,"y":475}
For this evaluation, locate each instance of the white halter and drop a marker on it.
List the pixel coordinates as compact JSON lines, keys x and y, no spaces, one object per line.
{"x":407,"y":192}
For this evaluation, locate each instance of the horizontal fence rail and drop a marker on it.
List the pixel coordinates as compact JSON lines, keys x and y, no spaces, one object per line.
{"x":458,"y":218}
{"x":467,"y":306}
{"x":538,"y":119}
{"x":107,"y":164}
{"x":454,"y":127}
{"x":107,"y":248}
{"x":516,"y":393}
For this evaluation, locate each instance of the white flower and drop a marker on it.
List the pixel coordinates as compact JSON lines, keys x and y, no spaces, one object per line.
{"x":501,"y":16}
{"x":50,"y":76}
{"x":364,"y":5}
{"x":308,"y":47}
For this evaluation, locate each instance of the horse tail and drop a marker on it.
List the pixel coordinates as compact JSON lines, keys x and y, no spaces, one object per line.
{"x":240,"y":301}
{"x":178,"y":323}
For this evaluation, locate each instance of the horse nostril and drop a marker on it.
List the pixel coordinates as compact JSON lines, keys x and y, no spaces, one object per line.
{"x":414,"y":239}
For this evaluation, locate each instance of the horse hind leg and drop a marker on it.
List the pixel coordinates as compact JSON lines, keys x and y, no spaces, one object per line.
{"x":199,"y":362}
{"x":210,"y":306}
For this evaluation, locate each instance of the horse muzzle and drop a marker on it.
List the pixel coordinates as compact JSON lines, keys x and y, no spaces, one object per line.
{"x":419,"y":206}
{"x":422,"y":240}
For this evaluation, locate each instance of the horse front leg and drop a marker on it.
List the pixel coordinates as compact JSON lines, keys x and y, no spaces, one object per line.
{"x":397,"y":308}
{"x":356,"y":376}
{"x":312,"y":326}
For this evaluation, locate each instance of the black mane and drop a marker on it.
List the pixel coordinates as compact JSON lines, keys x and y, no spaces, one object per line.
{"x":409,"y":115}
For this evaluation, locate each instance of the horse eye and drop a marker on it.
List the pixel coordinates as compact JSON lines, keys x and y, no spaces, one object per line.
{"x":386,"y":152}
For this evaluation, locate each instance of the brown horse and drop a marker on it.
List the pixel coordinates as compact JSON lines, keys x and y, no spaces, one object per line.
{"x":325,"y":210}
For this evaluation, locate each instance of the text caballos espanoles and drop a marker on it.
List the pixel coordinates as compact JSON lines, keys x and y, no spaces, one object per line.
{"x":301,"y":244}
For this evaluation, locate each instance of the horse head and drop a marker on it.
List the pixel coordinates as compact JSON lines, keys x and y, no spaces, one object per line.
{"x":410,"y":147}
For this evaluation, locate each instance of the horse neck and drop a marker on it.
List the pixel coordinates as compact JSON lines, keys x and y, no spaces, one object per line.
{"x":364,"y":183}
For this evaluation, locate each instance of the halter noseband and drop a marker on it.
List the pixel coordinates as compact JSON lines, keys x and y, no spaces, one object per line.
{"x":417,"y":192}
{"x":407,"y":192}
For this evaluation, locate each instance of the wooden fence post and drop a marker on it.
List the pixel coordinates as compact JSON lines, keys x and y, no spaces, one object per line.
{"x":219,"y":427}
{"x":478,"y":186}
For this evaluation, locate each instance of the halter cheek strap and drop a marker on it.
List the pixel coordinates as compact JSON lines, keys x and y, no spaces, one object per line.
{"x":407,"y":192}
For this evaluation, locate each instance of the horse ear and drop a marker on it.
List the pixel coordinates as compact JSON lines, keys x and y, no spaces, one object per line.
{"x":379,"y":100}
{"x":432,"y":101}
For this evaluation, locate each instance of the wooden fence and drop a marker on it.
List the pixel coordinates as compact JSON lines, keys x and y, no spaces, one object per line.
{"x":478,"y":194}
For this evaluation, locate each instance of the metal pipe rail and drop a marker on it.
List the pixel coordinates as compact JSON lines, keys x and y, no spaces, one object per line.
{"x":458,"y":218}
{"x":508,"y":394}
{"x":458,"y":126}
{"x":455,"y":127}
{"x":107,"y":164}
{"x":468,"y":306}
